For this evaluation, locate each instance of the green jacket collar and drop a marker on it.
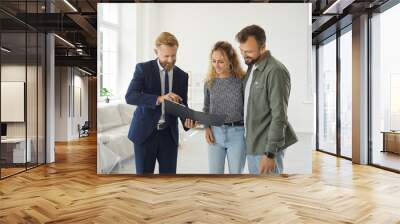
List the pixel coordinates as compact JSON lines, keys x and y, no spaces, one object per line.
{"x":263,"y":63}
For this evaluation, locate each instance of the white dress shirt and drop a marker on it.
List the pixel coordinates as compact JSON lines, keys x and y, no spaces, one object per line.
{"x":247,"y":94}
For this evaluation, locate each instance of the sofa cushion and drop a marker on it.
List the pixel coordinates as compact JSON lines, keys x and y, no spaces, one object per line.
{"x":108,"y":117}
{"x":121,"y":130}
{"x":120,"y":145}
{"x":107,"y":158}
{"x":126,"y":111}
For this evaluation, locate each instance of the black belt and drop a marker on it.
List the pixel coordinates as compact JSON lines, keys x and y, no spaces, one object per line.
{"x":236,"y":123}
{"x":162,"y":126}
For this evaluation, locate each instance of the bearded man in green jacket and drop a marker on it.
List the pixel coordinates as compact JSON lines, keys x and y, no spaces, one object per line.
{"x":266,"y":96}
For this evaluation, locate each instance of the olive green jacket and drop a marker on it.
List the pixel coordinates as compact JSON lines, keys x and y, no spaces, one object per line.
{"x":267,"y":126}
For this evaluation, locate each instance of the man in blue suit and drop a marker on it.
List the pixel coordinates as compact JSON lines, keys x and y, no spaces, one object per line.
{"x":154,"y":133}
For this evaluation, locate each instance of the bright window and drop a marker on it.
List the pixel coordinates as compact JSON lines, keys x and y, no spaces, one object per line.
{"x":327,"y":96}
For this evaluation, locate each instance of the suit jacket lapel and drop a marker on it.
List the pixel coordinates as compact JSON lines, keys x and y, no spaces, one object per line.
{"x":175,"y":81}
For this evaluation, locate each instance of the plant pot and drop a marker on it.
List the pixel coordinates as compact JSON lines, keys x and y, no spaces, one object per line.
{"x":107,"y":100}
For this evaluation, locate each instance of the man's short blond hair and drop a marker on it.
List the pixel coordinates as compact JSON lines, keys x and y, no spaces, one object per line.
{"x":168,"y":39}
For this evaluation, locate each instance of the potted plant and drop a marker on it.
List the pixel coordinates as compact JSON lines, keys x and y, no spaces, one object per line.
{"x":107,"y":93}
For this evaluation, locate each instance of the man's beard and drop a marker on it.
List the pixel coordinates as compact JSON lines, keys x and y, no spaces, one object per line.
{"x":167,"y":65}
{"x":251,"y":61}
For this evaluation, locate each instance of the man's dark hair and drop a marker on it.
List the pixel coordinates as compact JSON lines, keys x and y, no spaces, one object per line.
{"x":253,"y":30}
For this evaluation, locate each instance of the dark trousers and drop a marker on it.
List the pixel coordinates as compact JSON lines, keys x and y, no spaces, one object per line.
{"x":159,"y":146}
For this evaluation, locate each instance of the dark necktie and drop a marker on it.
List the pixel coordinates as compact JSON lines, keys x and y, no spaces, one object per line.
{"x":166,"y":88}
{"x":166,"y":79}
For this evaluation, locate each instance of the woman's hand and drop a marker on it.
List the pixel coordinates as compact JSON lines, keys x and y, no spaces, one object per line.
{"x":209,"y":136}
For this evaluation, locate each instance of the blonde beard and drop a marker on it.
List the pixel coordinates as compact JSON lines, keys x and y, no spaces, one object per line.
{"x":167,"y":66}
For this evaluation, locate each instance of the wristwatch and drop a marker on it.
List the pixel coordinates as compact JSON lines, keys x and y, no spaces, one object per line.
{"x":270,"y":155}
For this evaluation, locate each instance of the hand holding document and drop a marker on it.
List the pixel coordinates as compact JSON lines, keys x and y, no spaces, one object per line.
{"x":184,"y":112}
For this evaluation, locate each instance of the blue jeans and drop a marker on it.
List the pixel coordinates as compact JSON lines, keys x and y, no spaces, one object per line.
{"x":253,"y":162}
{"x":228,"y":142}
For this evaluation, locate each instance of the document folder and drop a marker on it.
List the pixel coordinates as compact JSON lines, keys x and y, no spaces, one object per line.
{"x":184,"y":112}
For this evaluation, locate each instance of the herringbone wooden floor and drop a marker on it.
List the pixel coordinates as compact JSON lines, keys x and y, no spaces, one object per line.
{"x":70,"y":191}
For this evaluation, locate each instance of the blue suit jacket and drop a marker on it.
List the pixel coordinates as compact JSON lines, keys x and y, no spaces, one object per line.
{"x":143,"y":91}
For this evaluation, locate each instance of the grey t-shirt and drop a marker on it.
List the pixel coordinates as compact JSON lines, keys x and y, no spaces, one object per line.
{"x":225,"y":96}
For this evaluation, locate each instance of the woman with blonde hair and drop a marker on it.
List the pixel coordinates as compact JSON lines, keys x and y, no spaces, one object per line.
{"x":223,"y":94}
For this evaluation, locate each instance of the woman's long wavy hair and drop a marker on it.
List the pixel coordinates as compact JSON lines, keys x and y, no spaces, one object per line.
{"x":230,"y":57}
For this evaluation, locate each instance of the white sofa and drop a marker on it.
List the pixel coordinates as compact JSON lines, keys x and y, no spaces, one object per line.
{"x":115,"y":150}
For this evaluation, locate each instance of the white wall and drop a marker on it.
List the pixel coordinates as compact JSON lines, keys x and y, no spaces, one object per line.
{"x":61,"y":103}
{"x":79,"y":117}
{"x":66,"y":121}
